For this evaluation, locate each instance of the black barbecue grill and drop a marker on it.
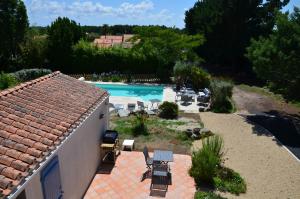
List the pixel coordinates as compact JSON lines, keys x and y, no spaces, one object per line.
{"x":110,"y":137}
{"x":110,"y":146}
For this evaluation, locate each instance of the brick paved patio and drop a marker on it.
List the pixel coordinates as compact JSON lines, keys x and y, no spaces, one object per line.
{"x":124,"y":180}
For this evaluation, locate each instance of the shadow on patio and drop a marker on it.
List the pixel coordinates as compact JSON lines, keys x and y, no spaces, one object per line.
{"x":128,"y":179}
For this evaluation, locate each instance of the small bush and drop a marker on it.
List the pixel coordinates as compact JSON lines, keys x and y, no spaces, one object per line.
{"x":139,"y":124}
{"x":7,"y":81}
{"x":105,"y":79}
{"x":95,"y":77}
{"x":221,"y":96}
{"x":168,"y":110}
{"x":214,"y":144}
{"x":204,"y":166}
{"x":30,"y":74}
{"x":181,"y":72}
{"x":207,"y":195}
{"x":229,"y":180}
{"x":199,"y":78}
{"x":115,"y":79}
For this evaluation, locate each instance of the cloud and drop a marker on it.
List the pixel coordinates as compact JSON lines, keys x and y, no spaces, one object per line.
{"x":85,"y":8}
{"x":163,"y":15}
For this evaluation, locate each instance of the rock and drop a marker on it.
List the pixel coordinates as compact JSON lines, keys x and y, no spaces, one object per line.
{"x":205,"y":131}
{"x":201,"y":109}
{"x":195,"y":136}
{"x":189,"y":132}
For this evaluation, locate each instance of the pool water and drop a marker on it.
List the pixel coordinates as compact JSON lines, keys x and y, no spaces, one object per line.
{"x":144,"y":92}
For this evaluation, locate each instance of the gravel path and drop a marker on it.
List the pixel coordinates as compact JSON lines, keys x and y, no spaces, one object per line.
{"x":250,"y":102}
{"x":269,"y":170}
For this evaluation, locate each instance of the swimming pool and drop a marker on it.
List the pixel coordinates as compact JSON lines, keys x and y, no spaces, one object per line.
{"x":142,"y":91}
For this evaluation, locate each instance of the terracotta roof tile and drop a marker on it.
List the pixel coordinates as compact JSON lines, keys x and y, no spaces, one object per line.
{"x":5,"y":160}
{"x":11,"y":129}
{"x":34,"y":152}
{"x":22,"y":133}
{"x":56,"y":132}
{"x":4,"y":134}
{"x":7,"y":121}
{"x":11,"y":173}
{"x":8,"y":143}
{"x":18,"y":125}
{"x":13,"y":153}
{"x":27,"y":158}
{"x":19,"y":165}
{"x":16,"y":138}
{"x":27,"y":142}
{"x":2,"y":125}
{"x":5,"y":182}
{"x":21,"y":147}
{"x":34,"y":117}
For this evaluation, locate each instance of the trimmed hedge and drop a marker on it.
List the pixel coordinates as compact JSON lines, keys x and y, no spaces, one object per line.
{"x":30,"y":74}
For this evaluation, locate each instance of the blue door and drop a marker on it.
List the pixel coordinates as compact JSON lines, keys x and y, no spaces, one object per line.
{"x":50,"y":179}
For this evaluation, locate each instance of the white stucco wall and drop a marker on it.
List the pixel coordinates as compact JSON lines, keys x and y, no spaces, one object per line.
{"x":79,"y":157}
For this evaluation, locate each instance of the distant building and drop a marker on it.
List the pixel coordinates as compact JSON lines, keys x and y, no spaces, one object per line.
{"x":108,"y":41}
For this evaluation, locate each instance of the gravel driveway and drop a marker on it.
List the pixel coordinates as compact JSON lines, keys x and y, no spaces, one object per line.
{"x":268,"y":168}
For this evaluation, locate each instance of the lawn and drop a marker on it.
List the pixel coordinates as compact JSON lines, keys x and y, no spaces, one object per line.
{"x":266,"y":92}
{"x":162,"y":133}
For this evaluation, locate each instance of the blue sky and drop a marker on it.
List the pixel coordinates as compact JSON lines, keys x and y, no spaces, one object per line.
{"x":98,"y":12}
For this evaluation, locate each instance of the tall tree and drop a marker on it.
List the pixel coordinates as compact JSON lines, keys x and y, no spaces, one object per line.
{"x":169,"y":45}
{"x":62,"y":35}
{"x":276,"y":58}
{"x":13,"y":23}
{"x":228,"y":26}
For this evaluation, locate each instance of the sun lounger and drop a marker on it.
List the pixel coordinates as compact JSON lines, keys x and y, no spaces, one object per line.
{"x":186,"y":99}
{"x":150,"y":112}
{"x":123,"y":113}
{"x":131,"y":107}
{"x":204,"y":96}
{"x":141,"y":105}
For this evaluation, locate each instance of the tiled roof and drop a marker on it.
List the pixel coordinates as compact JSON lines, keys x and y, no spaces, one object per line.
{"x":35,"y":117}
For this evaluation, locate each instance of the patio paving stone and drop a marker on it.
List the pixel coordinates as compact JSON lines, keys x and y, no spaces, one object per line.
{"x":124,"y":181}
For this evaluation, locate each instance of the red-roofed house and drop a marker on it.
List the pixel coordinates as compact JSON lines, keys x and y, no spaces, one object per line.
{"x":106,"y":41}
{"x":50,"y":130}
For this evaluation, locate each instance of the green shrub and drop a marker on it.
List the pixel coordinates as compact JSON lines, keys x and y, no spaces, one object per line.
{"x":199,"y":78}
{"x":7,"y":81}
{"x":105,"y":79}
{"x":30,"y":74}
{"x":229,"y":180}
{"x":214,"y":144}
{"x":204,"y":166}
{"x":115,"y":79}
{"x":168,"y":110}
{"x":181,"y":72}
{"x":95,"y":77}
{"x":207,"y":195}
{"x":207,"y":168}
{"x":139,"y":124}
{"x":221,"y":96}
{"x":207,"y":159}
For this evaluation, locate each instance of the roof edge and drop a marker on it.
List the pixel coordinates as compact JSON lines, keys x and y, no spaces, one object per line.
{"x":28,"y":83}
{"x":17,"y":190}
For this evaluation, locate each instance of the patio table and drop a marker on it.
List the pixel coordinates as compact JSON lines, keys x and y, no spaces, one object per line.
{"x":163,"y":156}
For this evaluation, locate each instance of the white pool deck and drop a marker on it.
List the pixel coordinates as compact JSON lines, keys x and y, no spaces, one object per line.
{"x":168,"y":95}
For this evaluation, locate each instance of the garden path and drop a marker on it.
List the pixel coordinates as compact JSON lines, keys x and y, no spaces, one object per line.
{"x":268,"y":168}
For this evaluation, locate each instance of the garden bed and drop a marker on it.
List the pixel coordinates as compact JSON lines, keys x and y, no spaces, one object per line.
{"x":162,"y":133}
